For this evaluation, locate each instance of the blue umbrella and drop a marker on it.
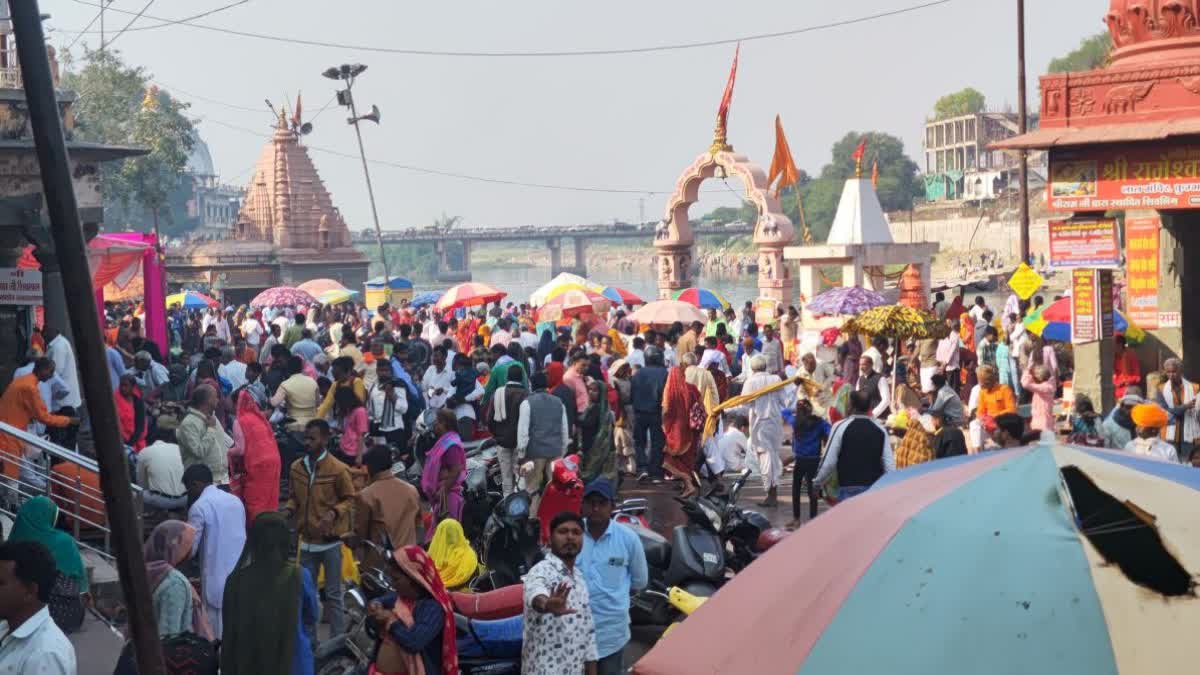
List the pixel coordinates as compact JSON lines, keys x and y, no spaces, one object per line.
{"x":426,"y":298}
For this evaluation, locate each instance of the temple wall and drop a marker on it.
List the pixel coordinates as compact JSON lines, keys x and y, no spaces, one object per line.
{"x":955,"y":234}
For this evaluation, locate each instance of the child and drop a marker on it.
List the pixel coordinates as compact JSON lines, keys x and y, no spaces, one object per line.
{"x":1037,"y":380}
{"x":352,"y":419}
{"x":733,"y":444}
{"x":809,"y":434}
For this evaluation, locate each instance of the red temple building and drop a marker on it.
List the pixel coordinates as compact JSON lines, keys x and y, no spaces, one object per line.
{"x":1124,"y":140}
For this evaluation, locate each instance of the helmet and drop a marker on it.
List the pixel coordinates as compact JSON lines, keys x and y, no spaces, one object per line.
{"x":769,"y":538}
{"x":565,"y":471}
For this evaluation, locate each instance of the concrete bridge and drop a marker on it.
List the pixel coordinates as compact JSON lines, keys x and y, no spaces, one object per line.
{"x":553,"y":237}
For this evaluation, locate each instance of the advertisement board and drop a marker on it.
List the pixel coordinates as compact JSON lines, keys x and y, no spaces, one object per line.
{"x":20,"y":286}
{"x":1088,"y":242}
{"x":1141,"y":271}
{"x":1124,"y":177}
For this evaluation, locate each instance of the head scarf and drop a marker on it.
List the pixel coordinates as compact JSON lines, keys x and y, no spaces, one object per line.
{"x":453,"y":556}
{"x":448,"y":449}
{"x":955,"y":309}
{"x":615,"y":367}
{"x":618,"y":345}
{"x":416,"y":563}
{"x":170,"y":544}
{"x":262,"y":603}
{"x":260,"y":489}
{"x":35,"y":522}
{"x":678,"y":399}
{"x":601,"y":458}
{"x":1149,"y":415}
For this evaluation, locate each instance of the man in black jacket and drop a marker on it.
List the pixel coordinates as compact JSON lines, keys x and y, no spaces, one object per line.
{"x":859,"y":450}
{"x":502,"y":415}
{"x":646,"y":392}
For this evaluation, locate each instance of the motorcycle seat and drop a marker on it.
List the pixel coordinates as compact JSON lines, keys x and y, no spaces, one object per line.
{"x":656,"y":547}
{"x":495,"y":639}
{"x":498,"y":604}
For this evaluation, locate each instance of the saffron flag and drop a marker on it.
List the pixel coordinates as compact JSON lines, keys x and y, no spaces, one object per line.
{"x":783,"y":166}
{"x":860,"y":150}
{"x":727,"y":98}
{"x":296,"y":112}
{"x":875,"y":174}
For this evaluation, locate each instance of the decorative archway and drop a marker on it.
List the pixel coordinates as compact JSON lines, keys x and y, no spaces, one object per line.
{"x":674,"y":240}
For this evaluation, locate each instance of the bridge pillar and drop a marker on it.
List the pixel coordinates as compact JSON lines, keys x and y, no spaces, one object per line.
{"x":445,"y":273}
{"x":581,"y":256}
{"x":555,"y":246}
{"x":556,"y":262}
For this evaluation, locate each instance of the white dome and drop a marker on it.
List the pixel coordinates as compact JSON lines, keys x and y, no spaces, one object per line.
{"x":200,"y":162}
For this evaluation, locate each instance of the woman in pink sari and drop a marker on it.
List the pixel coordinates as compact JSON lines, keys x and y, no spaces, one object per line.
{"x":445,"y":472}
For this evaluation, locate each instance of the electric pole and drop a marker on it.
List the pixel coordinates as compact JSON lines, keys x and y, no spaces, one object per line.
{"x":1022,"y":127}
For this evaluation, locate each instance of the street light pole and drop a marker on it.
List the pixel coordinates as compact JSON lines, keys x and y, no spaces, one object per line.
{"x":1022,"y":127}
{"x":348,"y":73}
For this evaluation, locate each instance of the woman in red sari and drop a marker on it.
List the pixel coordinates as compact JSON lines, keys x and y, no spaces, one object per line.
{"x":254,"y":438}
{"x":679,"y":453}
{"x":131,"y":414}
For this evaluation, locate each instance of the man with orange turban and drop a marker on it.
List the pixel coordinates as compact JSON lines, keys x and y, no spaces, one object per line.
{"x":1150,"y":420}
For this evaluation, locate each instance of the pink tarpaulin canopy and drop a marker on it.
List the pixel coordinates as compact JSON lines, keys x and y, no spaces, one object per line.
{"x":118,"y":258}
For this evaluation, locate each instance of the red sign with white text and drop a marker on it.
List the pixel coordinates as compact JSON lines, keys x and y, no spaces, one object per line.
{"x":1124,"y":178}
{"x":1141,"y":271}
{"x":1084,"y":243}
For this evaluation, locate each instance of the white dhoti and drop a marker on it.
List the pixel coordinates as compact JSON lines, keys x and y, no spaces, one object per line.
{"x":766,"y":435}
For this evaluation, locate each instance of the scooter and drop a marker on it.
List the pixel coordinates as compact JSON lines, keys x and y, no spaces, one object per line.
{"x":683,"y":602}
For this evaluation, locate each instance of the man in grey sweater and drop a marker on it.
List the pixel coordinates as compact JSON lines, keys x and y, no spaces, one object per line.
{"x":542,"y":436}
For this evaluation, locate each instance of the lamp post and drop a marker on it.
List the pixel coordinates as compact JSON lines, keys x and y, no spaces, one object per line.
{"x":1022,"y":127}
{"x":348,"y":72}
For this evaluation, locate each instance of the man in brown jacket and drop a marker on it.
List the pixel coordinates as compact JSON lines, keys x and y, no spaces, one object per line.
{"x":318,"y":506}
{"x":388,"y":510}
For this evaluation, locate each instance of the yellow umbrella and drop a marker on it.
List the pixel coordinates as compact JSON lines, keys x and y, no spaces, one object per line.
{"x":560,"y":284}
{"x":336,"y":296}
{"x":899,"y":322}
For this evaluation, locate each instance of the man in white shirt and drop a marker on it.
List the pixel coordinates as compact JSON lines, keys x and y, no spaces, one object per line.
{"x":637,"y":356}
{"x":149,"y":374}
{"x":253,"y":329}
{"x":231,"y":369}
{"x":528,"y":339}
{"x":734,"y":444}
{"x":875,"y":386}
{"x":160,"y":473}
{"x":859,"y":450}
{"x":978,"y":309}
{"x":876,"y":352}
{"x":31,"y":643}
{"x":438,"y":381}
{"x":59,"y":349}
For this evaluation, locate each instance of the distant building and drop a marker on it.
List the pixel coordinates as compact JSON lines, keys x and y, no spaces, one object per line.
{"x":959,"y":165}
{"x":211,"y":207}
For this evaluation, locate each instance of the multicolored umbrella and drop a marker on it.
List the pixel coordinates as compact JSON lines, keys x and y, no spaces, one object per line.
{"x":427,"y":298}
{"x":702,"y":298}
{"x":667,"y":312}
{"x":573,"y":303}
{"x":1053,"y":322}
{"x":469,"y":294}
{"x":899,"y":322}
{"x":846,"y":300}
{"x":315,"y":287}
{"x":283,"y":296}
{"x":190,"y":300}
{"x":1048,"y":559}
{"x":337,"y":296}
{"x":565,"y":281}
{"x":620,"y":296}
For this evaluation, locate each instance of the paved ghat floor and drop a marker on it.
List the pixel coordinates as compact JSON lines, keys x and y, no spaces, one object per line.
{"x":97,"y":649}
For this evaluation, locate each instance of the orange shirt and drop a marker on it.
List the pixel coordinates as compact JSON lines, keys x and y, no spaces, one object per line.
{"x":21,"y":404}
{"x":997,"y":401}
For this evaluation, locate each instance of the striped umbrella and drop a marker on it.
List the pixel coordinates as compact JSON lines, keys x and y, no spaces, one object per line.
{"x":337,"y":296}
{"x":845,"y":300}
{"x":190,"y":300}
{"x":315,"y":287}
{"x":620,"y":296}
{"x":573,"y":303}
{"x":1053,"y":322}
{"x":564,"y":281}
{"x":702,"y":298}
{"x":1046,"y":559}
{"x":470,"y":294}
{"x":427,"y":298}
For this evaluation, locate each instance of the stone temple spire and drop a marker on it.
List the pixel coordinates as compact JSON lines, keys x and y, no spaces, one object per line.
{"x":286,"y":201}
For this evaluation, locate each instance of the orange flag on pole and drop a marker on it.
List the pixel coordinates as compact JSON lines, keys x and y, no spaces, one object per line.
{"x":783,"y":166}
{"x":858,"y":156}
{"x":875,"y":174}
{"x":297,"y":112}
{"x":727,"y":97}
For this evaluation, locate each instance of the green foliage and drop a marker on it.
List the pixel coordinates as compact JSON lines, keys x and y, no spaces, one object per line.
{"x":416,"y":260}
{"x":1091,"y":53}
{"x":963,"y":102}
{"x":747,"y":212}
{"x":118,"y":105}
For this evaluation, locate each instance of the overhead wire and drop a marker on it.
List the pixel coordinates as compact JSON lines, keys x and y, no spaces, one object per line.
{"x":79,"y":34}
{"x":542,"y":54}
{"x":131,"y":22}
{"x":163,"y":22}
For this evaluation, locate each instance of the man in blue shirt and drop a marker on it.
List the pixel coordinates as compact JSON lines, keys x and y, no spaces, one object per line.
{"x":809,"y":434}
{"x":614,"y":566}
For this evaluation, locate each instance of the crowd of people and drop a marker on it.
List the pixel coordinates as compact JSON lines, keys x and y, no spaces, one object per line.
{"x":264,"y":444}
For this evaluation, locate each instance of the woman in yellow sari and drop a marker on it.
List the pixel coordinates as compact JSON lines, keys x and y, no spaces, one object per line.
{"x":618,"y":345}
{"x":453,"y":556}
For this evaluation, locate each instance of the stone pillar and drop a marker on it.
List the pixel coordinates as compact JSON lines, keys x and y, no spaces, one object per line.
{"x":810,"y":285}
{"x":674,"y":270}
{"x":1172,"y":291}
{"x":852,"y":274}
{"x":774,"y":275}
{"x":466,"y":244}
{"x":555,"y":246}
{"x":54,"y":295}
{"x":1094,"y":373}
{"x":443,"y":264}
{"x":13,"y":344}
{"x":581,"y":256}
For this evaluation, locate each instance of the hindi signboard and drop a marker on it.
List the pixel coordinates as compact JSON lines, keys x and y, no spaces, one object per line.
{"x":1025,"y":281}
{"x":1141,"y":270}
{"x":1124,"y":178}
{"x":1084,"y":242}
{"x":1091,"y":305}
{"x":20,"y":287}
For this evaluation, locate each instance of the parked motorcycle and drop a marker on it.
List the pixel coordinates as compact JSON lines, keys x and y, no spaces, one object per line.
{"x":509,"y":543}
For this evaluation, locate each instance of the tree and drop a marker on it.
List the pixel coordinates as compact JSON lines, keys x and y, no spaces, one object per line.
{"x":118,"y":105}
{"x":898,"y":181}
{"x":1091,"y":53}
{"x":963,"y":102}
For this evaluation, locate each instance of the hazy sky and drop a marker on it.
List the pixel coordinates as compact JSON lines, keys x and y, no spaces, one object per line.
{"x":624,"y":122}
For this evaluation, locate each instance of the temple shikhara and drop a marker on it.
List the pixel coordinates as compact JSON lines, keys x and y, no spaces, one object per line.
{"x":287,"y":232}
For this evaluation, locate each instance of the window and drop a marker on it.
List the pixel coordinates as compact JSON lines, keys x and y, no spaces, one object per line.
{"x":971,"y":129}
{"x":970,"y":157}
{"x":941,"y":135}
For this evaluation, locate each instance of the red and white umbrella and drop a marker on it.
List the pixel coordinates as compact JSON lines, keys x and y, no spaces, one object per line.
{"x":470,"y":294}
{"x":573,"y":303}
{"x":283,"y":296}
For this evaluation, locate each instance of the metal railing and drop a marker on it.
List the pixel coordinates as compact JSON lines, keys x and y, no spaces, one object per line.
{"x":81,"y":504}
